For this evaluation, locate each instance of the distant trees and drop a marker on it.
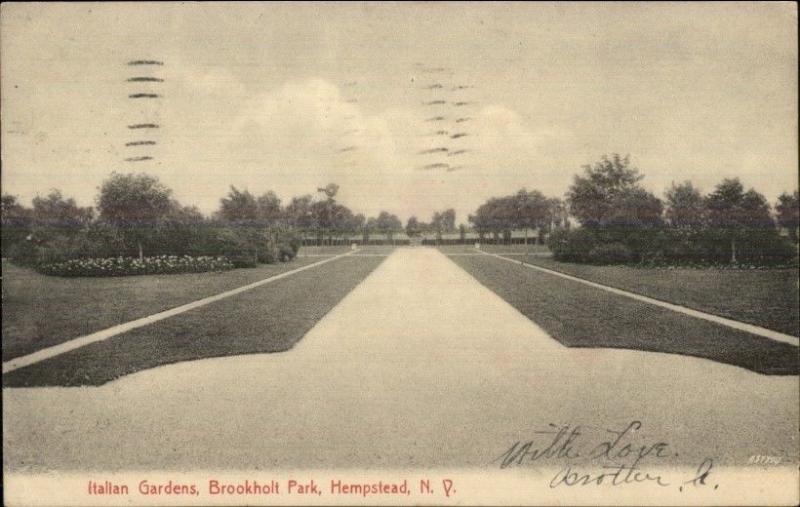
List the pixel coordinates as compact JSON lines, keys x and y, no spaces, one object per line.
{"x":322,"y":218}
{"x":441,"y":222}
{"x":413,"y":227}
{"x":55,"y":213}
{"x":444,"y":221}
{"x":388,"y":224}
{"x":299,"y":214}
{"x":523,"y":210}
{"x":370,"y":226}
{"x":326,"y":213}
{"x":359,"y":223}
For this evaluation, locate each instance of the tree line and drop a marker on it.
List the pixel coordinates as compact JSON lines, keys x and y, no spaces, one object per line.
{"x":136,"y":216}
{"x":622,"y":222}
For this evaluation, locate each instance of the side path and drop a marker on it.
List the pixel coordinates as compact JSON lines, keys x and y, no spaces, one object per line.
{"x":418,"y":366}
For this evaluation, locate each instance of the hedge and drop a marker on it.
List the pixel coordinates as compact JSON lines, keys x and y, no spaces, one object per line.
{"x":670,"y":247}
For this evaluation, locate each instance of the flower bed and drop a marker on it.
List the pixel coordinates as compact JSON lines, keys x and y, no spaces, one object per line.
{"x":126,"y":266}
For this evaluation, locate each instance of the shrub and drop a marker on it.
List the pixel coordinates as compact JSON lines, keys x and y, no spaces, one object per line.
{"x":572,"y":245}
{"x":126,"y":266}
{"x":681,"y":246}
{"x":243,"y":261}
{"x":268,"y":254}
{"x":286,"y":252}
{"x":288,"y":241}
{"x":611,"y":253}
{"x":766,"y":248}
{"x":23,"y":253}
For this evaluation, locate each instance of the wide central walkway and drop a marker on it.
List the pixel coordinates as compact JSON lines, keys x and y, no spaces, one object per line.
{"x":419,"y":366}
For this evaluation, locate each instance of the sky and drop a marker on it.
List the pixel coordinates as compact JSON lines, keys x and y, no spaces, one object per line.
{"x":289,"y":97}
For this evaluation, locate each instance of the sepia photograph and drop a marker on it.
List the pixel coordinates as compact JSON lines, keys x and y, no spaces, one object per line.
{"x":400,"y":253}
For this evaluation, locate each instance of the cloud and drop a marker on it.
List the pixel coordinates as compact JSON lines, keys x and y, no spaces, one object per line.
{"x":305,"y":133}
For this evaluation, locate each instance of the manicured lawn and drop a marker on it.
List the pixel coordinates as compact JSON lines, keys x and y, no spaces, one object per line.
{"x":581,"y":316}
{"x":766,"y":298}
{"x":335,"y":250}
{"x":271,"y":318}
{"x":40,"y":311}
{"x":376,"y":249}
{"x":515,"y":249}
{"x":322,"y":250}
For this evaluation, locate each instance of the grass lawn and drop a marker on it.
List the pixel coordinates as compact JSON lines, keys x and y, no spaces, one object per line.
{"x":766,"y":298}
{"x":41,"y":311}
{"x":322,"y":250}
{"x":580,"y":316}
{"x":271,"y":318}
{"x":335,"y":250}
{"x":515,"y":249}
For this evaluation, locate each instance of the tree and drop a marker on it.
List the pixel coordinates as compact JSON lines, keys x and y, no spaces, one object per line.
{"x":342,"y":219}
{"x":596,"y":195}
{"x":788,"y":209}
{"x":299,"y":214}
{"x":370,"y":226}
{"x":481,"y":220}
{"x":181,"y":231}
{"x":358,"y":224}
{"x":522,"y":210}
{"x":412,"y":226}
{"x":269,"y":209}
{"x":133,"y":203}
{"x":16,"y":223}
{"x":56,"y":214}
{"x":608,"y":200}
{"x":533,"y":211}
{"x":388,"y":224}
{"x":686,"y":208}
{"x":635,"y":221}
{"x":494,"y":216}
{"x":239,"y":207}
{"x":448,"y":220}
{"x":442,"y":222}
{"x":556,"y":217}
{"x":634,"y":208}
{"x":735,"y":214}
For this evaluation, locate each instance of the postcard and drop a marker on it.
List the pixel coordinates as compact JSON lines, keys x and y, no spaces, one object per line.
{"x":379,"y":253}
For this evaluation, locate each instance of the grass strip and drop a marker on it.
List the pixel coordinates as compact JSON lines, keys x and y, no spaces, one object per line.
{"x":763,"y":297}
{"x":581,"y":316}
{"x":42,"y":311}
{"x":266,"y":319}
